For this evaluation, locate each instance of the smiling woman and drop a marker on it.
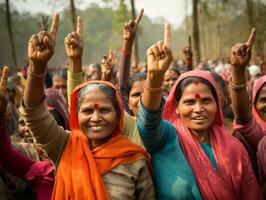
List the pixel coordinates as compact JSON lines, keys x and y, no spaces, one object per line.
{"x":94,"y":160}
{"x":203,"y":160}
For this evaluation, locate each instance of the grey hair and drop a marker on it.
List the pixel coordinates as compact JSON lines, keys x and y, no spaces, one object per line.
{"x":107,"y":90}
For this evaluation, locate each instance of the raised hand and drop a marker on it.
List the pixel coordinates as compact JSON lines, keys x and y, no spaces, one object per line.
{"x":188,"y":50}
{"x":107,"y":65}
{"x":131,"y":27}
{"x":3,"y":85}
{"x":74,"y":43}
{"x":160,"y":56}
{"x":41,"y":45}
{"x":241,"y":52}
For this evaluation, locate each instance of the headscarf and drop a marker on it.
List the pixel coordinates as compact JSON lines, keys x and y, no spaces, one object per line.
{"x":233,"y":163}
{"x":80,"y":168}
{"x":256,"y":88}
{"x":261,"y":153}
{"x":57,"y":101}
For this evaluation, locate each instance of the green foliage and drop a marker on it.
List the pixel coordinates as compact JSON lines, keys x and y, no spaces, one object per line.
{"x":222,"y":24}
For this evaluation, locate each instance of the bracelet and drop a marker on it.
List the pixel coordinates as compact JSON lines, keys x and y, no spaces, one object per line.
{"x":125,"y":53}
{"x":237,"y":87}
{"x":152,"y":89}
{"x":37,"y":77}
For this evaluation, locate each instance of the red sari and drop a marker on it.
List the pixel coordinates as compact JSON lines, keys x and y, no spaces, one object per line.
{"x":235,"y":178}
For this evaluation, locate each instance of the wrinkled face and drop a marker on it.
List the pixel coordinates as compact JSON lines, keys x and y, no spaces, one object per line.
{"x":261,"y":103}
{"x":61,"y":84}
{"x":97,"y":117}
{"x":197,"y":108}
{"x":169,"y":79}
{"x":24,"y":131}
{"x":93,"y":73}
{"x":134,"y":95}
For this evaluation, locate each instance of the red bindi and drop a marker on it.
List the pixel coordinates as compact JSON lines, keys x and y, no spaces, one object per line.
{"x":196,"y":82}
{"x":197,"y":96}
{"x":96,"y":106}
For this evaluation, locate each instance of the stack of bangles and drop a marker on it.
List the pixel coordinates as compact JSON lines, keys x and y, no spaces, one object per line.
{"x":37,"y":77}
{"x":157,"y":89}
{"x":237,"y":87}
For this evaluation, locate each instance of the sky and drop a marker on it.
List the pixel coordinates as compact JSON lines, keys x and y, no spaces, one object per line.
{"x":172,"y":10}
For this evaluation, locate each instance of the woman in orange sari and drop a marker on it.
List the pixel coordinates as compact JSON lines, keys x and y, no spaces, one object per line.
{"x":94,"y":161}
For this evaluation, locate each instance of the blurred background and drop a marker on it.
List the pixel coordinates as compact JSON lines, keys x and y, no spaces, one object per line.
{"x":214,"y":25}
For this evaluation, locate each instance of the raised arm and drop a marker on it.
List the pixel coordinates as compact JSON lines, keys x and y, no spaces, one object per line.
{"x":34,"y":111}
{"x":188,"y":55}
{"x":129,"y":33}
{"x":74,"y":51}
{"x":159,"y":58}
{"x":40,"y":50}
{"x":240,"y":57}
{"x":10,"y":159}
{"x":107,"y":65}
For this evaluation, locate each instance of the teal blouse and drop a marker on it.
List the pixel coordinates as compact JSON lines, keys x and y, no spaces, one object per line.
{"x":174,"y":178}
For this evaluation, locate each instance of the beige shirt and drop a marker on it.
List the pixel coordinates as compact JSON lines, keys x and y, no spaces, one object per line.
{"x":128,"y":181}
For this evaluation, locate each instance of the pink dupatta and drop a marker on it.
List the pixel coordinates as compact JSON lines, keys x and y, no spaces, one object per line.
{"x":256,"y":87}
{"x":235,"y":178}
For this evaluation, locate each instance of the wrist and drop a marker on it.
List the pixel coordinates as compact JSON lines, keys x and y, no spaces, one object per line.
{"x":127,"y":45}
{"x":75,"y":65}
{"x":154,"y":79}
{"x":37,"y":67}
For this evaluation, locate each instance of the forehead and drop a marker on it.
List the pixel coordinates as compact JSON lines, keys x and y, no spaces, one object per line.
{"x":171,"y":73}
{"x":96,"y":97}
{"x":137,"y":86}
{"x":199,"y":88}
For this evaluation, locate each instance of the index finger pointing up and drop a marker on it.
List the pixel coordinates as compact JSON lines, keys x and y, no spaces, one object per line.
{"x":139,"y":16}
{"x":79,"y":25}
{"x":251,"y":38}
{"x":54,"y":27}
{"x":167,"y":33}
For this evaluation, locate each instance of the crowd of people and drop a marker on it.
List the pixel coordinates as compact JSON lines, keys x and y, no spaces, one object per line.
{"x":164,"y":130}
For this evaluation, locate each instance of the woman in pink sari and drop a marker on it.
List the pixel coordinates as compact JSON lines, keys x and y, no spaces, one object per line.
{"x":249,"y":122}
{"x":193,"y":155}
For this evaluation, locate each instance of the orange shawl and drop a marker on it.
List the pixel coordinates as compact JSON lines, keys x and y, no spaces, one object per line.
{"x":80,"y":168}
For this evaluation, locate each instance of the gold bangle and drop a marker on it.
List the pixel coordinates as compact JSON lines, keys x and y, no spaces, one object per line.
{"x":37,"y":77}
{"x":152,"y":89}
{"x":237,"y":87}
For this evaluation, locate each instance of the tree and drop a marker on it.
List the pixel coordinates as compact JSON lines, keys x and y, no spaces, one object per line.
{"x":10,"y":36}
{"x":196,"y":40}
{"x":135,"y":48}
{"x":73,"y":14}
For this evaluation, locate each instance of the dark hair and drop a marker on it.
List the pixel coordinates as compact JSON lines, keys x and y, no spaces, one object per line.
{"x":107,"y":90}
{"x":174,"y":70}
{"x":136,"y":77}
{"x":58,"y":118}
{"x":96,"y":65}
{"x":61,"y":73}
{"x":187,"y":81}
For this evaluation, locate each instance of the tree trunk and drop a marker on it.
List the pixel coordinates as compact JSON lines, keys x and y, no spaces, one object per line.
{"x":135,"y":47}
{"x":186,"y":19}
{"x":10,"y":36}
{"x":73,"y":14}
{"x":196,"y":31}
